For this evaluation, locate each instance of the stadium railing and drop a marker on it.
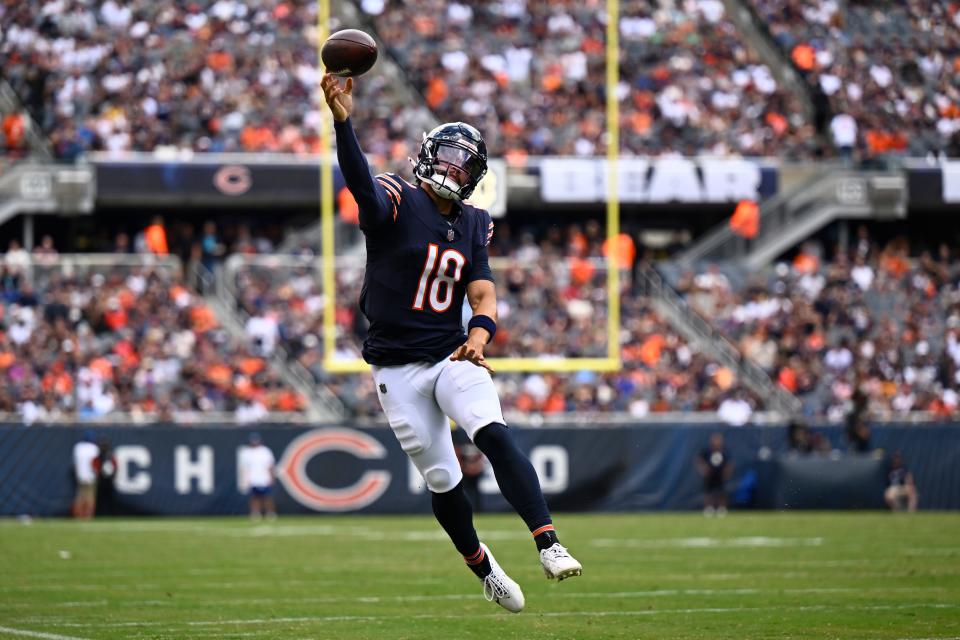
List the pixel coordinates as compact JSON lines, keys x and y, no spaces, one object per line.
{"x":794,"y":215}
{"x":225,"y":289}
{"x":697,"y":328}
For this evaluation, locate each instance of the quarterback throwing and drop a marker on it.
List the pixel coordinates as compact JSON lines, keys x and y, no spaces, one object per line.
{"x":426,"y":250}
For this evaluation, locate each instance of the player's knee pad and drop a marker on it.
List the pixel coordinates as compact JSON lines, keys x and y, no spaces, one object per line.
{"x":441,"y":478}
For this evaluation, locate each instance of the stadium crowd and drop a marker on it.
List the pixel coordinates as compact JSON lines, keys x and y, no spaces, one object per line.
{"x":689,"y":83}
{"x":208,"y":75}
{"x":887,"y":70}
{"x":88,"y":343}
{"x":223,"y":75}
{"x":203,"y":76}
{"x":552,"y":304}
{"x":871,"y":332}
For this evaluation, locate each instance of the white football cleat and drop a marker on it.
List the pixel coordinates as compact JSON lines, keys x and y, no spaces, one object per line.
{"x":500,"y":588}
{"x":558,"y":564}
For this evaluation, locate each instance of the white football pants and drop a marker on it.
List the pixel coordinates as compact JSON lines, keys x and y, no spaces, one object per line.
{"x":417,"y":399}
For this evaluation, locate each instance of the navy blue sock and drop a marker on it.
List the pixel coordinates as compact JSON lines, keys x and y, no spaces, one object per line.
{"x":455,"y":514}
{"x":517,"y":479}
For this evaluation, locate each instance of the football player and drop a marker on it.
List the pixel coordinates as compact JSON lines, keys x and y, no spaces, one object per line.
{"x":426,"y":249}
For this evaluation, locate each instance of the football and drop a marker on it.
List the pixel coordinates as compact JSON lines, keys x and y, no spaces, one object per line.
{"x":348,"y":53}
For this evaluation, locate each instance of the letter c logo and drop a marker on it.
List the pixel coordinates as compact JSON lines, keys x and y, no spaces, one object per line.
{"x":365,"y":491}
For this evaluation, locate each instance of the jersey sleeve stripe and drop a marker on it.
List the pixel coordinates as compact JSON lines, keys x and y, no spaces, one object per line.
{"x":390,"y":189}
{"x":393,"y":181}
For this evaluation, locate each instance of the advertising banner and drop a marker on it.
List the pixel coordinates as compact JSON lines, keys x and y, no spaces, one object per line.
{"x":179,"y":470}
{"x":229,"y":180}
{"x":658,"y":180}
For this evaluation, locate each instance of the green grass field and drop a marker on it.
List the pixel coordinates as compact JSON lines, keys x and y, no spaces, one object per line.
{"x":799,"y":575}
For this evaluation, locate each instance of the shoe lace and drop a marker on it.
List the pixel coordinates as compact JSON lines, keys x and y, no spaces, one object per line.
{"x":493,"y":588}
{"x":556,"y":552}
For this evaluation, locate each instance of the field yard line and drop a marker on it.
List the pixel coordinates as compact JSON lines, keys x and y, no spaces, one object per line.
{"x":708,"y":543}
{"x":36,"y":634}
{"x":548,"y":614}
{"x":289,"y":530}
{"x":652,"y":593}
{"x":562,"y":614}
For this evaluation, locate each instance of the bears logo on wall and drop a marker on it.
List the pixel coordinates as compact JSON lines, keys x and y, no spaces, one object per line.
{"x":364,"y":492}
{"x":233,"y":180}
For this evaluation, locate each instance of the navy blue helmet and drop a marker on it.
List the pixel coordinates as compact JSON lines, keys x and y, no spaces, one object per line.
{"x":453,"y":160}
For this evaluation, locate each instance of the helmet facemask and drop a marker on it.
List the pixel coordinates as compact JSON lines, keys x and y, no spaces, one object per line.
{"x":452,"y":167}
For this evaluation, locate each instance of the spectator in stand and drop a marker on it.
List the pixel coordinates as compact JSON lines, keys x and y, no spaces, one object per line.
{"x":891,"y":71}
{"x":212,"y":250}
{"x":155,"y":237}
{"x":735,"y":410}
{"x":88,"y":344}
{"x":250,"y":410}
{"x":832,"y":347}
{"x":45,"y":251}
{"x":14,"y":134}
{"x":843,"y":128}
{"x":689,"y":83}
{"x":16,"y":261}
{"x":553,"y":303}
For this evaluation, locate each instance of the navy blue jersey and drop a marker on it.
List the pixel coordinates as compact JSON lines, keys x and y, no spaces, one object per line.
{"x":419,"y":262}
{"x":716,"y":462}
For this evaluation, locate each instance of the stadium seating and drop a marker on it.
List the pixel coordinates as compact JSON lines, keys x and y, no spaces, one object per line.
{"x":219,"y":75}
{"x":225,"y":76}
{"x":531,"y":76}
{"x":110,"y":337}
{"x":872,"y":331}
{"x":211,"y":75}
{"x":891,"y":66}
{"x":552,"y":304}
{"x":876,"y":330}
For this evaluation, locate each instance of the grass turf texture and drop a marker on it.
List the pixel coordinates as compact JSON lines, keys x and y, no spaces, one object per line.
{"x":796,"y":575}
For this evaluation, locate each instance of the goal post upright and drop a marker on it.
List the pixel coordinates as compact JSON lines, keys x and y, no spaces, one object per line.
{"x":613,"y":193}
{"x":327,"y":245}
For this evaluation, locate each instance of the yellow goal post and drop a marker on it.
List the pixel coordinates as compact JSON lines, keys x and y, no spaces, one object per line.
{"x":542,"y":365}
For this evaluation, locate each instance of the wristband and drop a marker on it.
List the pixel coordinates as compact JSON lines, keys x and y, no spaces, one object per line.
{"x":484,"y":322}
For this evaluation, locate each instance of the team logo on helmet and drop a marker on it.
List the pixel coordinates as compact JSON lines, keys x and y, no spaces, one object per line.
{"x":364,"y":492}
